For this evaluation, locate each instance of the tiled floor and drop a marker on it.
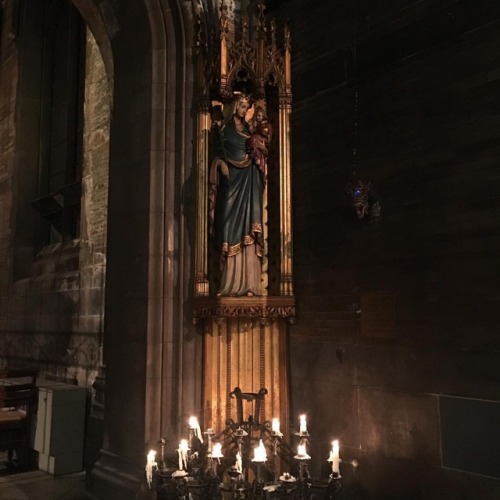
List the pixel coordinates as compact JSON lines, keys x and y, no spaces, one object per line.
{"x":38,"y":485}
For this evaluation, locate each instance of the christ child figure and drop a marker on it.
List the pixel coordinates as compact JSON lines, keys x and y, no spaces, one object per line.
{"x":260,"y":139}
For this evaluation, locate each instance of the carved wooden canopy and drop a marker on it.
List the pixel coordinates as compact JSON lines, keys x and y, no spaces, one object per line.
{"x":254,"y":59}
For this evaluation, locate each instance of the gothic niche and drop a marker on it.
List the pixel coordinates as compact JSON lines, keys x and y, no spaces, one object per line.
{"x":244,"y":234}
{"x":243,"y":280}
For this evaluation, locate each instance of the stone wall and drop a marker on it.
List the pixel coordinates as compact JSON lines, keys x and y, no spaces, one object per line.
{"x":396,"y":347}
{"x":53,"y":317}
{"x":94,"y":192}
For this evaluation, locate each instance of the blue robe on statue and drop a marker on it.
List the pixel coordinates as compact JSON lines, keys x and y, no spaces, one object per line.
{"x":238,"y":213}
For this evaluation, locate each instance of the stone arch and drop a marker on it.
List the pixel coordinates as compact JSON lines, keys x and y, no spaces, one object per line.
{"x":149,"y":364}
{"x":60,"y":315}
{"x":102,"y":30}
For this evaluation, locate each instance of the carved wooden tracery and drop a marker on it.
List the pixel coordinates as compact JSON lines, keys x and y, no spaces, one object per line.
{"x":226,"y":63}
{"x":254,"y":59}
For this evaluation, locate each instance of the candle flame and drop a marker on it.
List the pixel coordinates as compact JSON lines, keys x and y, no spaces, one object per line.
{"x":183,"y":445}
{"x":217,"y":450}
{"x":275,"y":426}
{"x":195,"y":426}
{"x":259,"y":453}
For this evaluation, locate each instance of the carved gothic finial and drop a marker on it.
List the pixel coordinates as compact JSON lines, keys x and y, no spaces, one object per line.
{"x":261,"y":7}
{"x":260,"y":16}
{"x":244,"y":28}
{"x":273,"y":35}
{"x":224,"y":42}
{"x":224,"y":21}
{"x":223,"y":8}
{"x":287,"y":37}
{"x":201,"y":52}
{"x":261,"y":22}
{"x":200,"y":36}
{"x":260,"y":45}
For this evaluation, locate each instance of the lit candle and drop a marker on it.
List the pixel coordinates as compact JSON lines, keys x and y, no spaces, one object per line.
{"x":303,"y":425}
{"x":239,"y":463}
{"x":301,"y":451}
{"x":150,"y":464}
{"x":193,"y":424}
{"x":181,"y":463}
{"x":217,"y":451}
{"x":183,"y":449}
{"x":259,"y":453}
{"x":275,"y":426}
{"x":334,"y":457}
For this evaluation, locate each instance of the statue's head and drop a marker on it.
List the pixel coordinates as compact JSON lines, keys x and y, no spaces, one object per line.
{"x":241,"y":105}
{"x":259,"y":114}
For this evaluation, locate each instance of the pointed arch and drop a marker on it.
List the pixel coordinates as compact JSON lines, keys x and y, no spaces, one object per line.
{"x":101,"y":31}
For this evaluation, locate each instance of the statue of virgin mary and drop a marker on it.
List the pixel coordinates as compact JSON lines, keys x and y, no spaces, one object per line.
{"x":237,"y":184}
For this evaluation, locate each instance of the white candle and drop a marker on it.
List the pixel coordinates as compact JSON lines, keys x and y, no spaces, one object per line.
{"x":183,"y":449}
{"x":150,"y":464}
{"x":303,"y":425}
{"x":334,"y":457}
{"x":194,"y":424}
{"x":217,"y":451}
{"x":275,"y":426}
{"x":302,"y":451}
{"x":259,"y":453}
{"x":239,"y":463}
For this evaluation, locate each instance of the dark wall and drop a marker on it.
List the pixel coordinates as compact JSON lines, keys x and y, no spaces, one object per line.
{"x":397,"y":334}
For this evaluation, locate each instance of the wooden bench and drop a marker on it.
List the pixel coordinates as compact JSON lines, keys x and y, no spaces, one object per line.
{"x":18,"y":395}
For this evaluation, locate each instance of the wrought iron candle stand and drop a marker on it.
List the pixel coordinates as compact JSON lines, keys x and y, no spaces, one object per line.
{"x":207,"y":474}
